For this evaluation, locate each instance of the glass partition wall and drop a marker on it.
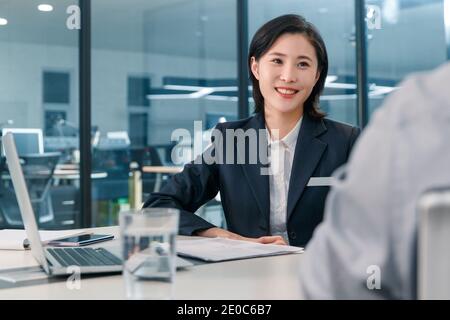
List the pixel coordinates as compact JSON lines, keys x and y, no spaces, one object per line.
{"x":161,"y":65}
{"x":157,"y":66}
{"x":39,"y":103}
{"x":410,"y":38}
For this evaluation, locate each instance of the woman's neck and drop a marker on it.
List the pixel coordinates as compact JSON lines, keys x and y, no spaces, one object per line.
{"x":283,"y":121}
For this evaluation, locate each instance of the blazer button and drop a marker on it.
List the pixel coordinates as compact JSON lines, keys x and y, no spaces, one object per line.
{"x":292,"y":235}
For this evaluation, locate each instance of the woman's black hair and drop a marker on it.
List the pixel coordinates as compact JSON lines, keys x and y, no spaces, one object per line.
{"x":266,"y":36}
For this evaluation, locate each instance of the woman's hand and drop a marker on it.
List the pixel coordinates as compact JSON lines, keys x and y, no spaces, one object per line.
{"x":222,"y":233}
{"x":271,"y":240}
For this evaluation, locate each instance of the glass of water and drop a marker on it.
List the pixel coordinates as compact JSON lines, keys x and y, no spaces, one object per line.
{"x":148,"y":251}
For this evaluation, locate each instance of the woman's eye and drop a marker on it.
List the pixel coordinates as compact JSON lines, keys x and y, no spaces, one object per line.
{"x":277,"y":61}
{"x":303,"y":64}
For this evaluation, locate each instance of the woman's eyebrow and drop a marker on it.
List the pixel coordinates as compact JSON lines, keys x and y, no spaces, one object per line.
{"x":283,"y":55}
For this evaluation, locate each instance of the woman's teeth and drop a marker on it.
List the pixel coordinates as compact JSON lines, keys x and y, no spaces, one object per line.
{"x":286,"y":91}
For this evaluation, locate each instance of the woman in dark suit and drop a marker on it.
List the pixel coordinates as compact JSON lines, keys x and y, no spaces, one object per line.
{"x":280,"y":198}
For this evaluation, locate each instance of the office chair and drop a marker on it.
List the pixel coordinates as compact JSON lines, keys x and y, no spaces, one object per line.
{"x":433,"y":256}
{"x":38,"y":173}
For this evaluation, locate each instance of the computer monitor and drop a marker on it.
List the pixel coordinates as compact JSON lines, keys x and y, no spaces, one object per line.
{"x":27,"y":140}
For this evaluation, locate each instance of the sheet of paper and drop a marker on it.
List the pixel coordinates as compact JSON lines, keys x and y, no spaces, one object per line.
{"x":220,"y":249}
{"x":11,"y":239}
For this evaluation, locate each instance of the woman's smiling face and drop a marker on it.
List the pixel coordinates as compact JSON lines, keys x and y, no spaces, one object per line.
{"x":287,"y":73}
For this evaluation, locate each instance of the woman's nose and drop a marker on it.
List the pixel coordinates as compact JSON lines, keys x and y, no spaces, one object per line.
{"x":288,"y":74}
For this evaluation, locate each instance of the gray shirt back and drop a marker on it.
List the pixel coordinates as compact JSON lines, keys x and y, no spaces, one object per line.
{"x":370,"y":216}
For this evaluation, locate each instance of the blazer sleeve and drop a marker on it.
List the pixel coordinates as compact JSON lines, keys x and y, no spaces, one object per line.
{"x":189,"y":190}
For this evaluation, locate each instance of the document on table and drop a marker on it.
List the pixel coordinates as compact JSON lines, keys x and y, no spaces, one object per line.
{"x":221,"y":249}
{"x":12,"y":239}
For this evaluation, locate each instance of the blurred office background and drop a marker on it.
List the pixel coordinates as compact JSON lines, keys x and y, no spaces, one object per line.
{"x":159,"y":65}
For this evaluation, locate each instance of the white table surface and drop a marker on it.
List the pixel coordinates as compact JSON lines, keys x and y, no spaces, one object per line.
{"x":258,"y":278}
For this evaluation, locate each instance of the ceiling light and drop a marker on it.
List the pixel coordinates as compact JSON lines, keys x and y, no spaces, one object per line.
{"x":3,"y":22}
{"x":45,"y":7}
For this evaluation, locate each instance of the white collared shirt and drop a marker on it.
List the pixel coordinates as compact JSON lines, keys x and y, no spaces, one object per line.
{"x":281,"y":154}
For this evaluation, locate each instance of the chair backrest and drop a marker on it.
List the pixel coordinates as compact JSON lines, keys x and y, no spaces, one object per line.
{"x":38,"y":173}
{"x":433,"y":255}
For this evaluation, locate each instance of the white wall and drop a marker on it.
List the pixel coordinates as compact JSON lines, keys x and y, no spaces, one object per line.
{"x":21,"y":86}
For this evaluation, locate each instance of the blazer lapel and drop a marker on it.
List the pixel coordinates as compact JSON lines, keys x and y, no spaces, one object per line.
{"x":308,"y":152}
{"x":259,"y":183}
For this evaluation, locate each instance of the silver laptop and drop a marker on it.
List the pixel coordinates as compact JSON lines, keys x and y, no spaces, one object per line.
{"x":54,"y":261}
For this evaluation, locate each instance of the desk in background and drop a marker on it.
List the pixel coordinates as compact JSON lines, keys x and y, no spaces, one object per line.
{"x":75,"y":175}
{"x":258,"y":278}
{"x":72,"y":172}
{"x":69,"y":174}
{"x":162,"y":169}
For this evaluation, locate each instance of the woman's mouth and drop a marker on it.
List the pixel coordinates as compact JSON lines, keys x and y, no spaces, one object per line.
{"x":286,"y":92}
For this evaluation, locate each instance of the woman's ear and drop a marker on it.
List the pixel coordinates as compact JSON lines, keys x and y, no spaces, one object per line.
{"x":317,"y":77}
{"x":254,"y":67}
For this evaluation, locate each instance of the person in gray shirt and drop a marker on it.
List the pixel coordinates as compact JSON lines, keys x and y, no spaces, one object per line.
{"x":366,"y":246}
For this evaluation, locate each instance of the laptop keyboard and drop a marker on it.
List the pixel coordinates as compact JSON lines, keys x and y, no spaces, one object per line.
{"x":84,"y":257}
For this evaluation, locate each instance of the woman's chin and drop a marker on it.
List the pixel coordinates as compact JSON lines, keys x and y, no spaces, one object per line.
{"x":287,"y":110}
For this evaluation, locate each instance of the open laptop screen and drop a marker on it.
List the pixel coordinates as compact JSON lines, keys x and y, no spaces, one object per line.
{"x":23,"y":198}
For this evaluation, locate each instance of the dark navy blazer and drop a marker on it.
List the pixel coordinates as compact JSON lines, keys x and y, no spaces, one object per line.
{"x":322,"y":146}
